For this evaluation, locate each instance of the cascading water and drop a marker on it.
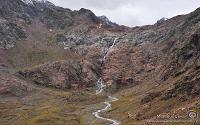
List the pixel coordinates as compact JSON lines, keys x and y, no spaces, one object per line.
{"x":99,"y":84}
{"x":104,"y":58}
{"x":100,"y":87}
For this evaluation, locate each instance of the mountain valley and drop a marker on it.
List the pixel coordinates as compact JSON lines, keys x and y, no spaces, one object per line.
{"x":52,"y":57}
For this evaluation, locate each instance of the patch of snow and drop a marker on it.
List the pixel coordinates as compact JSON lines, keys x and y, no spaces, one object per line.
{"x":30,"y":2}
{"x":50,"y":30}
{"x":27,"y":1}
{"x":100,"y":25}
{"x":105,"y":19}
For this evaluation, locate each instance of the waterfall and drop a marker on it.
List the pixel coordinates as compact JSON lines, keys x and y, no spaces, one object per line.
{"x":100,"y":87}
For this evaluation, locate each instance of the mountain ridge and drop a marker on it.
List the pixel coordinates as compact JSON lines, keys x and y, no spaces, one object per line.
{"x":153,"y":69}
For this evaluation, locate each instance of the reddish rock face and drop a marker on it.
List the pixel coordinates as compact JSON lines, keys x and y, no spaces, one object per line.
{"x":163,"y":54}
{"x":11,"y":85}
{"x":64,"y":74}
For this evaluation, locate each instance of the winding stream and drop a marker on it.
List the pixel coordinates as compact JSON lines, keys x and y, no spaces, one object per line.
{"x":100,"y":88}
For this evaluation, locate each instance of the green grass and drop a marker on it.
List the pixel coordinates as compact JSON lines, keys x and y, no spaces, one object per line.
{"x":47,"y":106}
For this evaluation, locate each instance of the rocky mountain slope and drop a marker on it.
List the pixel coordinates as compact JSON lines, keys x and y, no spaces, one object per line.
{"x":156,"y":65}
{"x":36,"y":32}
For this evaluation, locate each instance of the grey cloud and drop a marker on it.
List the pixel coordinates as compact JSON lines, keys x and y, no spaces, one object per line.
{"x":133,"y":12}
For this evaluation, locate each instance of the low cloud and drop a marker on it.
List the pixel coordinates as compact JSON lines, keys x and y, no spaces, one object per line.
{"x":133,"y":12}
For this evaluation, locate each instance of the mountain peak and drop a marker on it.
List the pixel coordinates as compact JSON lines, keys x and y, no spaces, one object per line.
{"x":106,"y":21}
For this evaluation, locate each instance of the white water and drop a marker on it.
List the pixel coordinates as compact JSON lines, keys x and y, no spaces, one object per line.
{"x":104,"y":58}
{"x":101,"y":87}
{"x":108,"y":107}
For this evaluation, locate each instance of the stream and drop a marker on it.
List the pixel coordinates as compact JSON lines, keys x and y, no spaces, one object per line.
{"x":100,"y":88}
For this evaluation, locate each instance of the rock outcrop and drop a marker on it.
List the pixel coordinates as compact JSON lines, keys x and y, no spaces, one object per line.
{"x":64,"y":74}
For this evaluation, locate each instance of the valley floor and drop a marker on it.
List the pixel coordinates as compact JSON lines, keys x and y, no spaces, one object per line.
{"x":48,"y":106}
{"x":131,"y":111}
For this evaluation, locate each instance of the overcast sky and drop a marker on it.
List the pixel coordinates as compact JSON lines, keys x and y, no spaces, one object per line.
{"x":133,"y":12}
